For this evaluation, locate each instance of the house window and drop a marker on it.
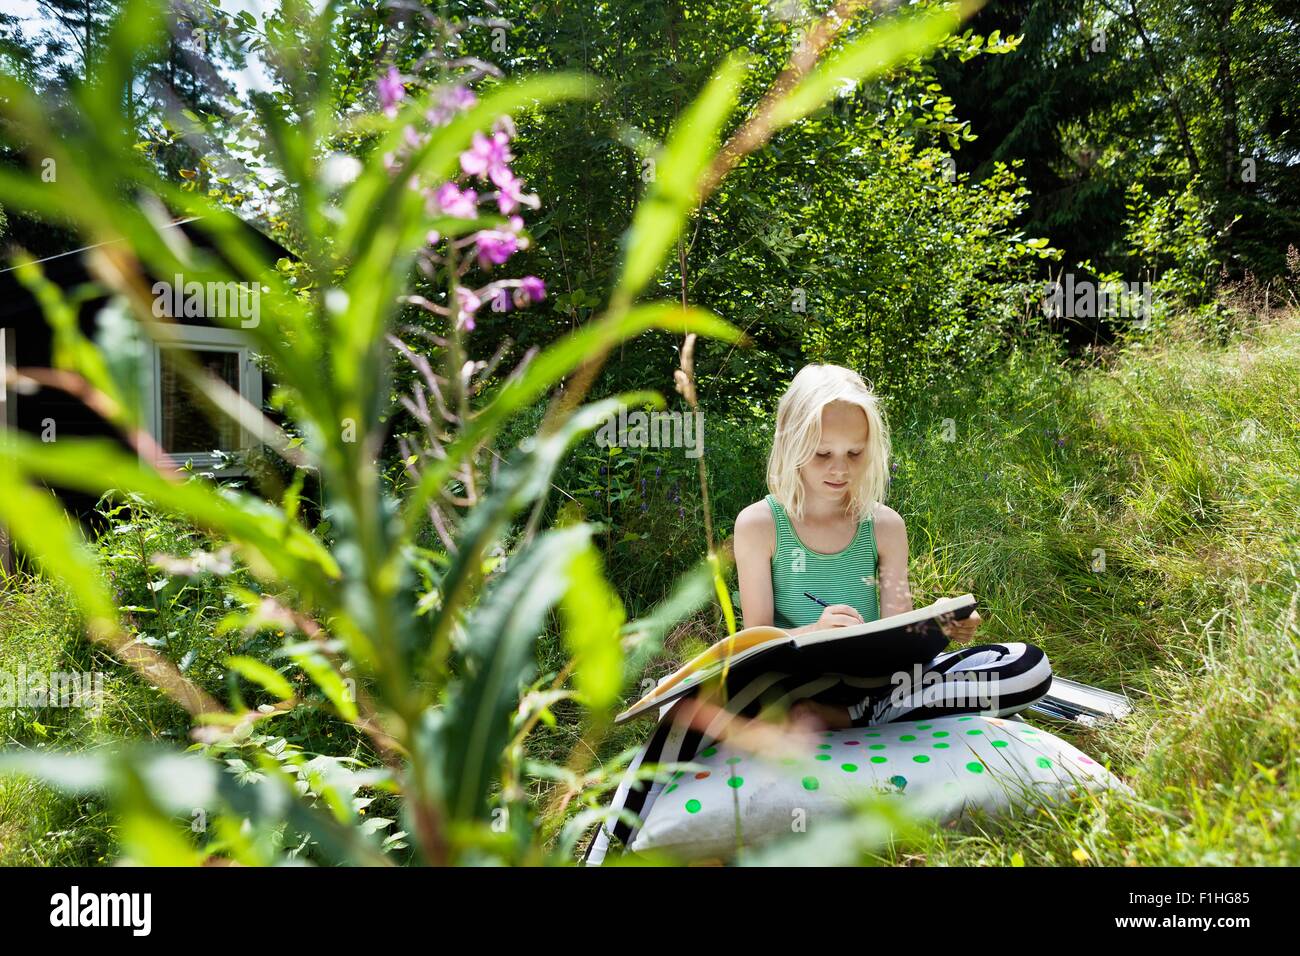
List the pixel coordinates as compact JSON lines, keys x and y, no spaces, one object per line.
{"x":181,"y":419}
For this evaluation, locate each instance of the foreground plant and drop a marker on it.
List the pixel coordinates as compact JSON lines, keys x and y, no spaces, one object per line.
{"x":439,"y":685}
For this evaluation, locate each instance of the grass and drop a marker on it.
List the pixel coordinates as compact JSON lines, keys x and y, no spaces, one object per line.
{"x":40,"y":630}
{"x":1136,"y":518}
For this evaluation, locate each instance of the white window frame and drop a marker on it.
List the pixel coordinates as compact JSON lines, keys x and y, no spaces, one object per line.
{"x":205,"y":339}
{"x":8,"y":397}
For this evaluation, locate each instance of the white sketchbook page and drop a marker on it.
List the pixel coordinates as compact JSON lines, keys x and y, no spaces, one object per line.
{"x":700,"y":674}
{"x":941,"y":606}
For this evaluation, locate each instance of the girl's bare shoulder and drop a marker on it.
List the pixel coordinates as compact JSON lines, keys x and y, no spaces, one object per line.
{"x":887,"y":519}
{"x":890,"y":530}
{"x":755,"y":527}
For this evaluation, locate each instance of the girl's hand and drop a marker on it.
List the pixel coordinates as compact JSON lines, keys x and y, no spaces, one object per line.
{"x":839,"y":615}
{"x":810,"y":715}
{"x":962,"y":631}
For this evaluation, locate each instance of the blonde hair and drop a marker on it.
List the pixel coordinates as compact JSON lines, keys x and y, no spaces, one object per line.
{"x":799,"y":431}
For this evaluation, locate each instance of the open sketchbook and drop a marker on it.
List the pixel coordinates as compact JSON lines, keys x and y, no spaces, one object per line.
{"x":878,"y":647}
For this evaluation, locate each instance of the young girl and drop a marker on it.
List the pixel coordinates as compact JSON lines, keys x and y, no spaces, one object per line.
{"x":824,"y":530}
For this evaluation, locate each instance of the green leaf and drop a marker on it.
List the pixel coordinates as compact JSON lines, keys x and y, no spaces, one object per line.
{"x":263,"y":675}
{"x":39,"y":526}
{"x":593,"y":620}
{"x":679,"y":171}
{"x":467,"y":736}
{"x":328,"y":680}
{"x":98,"y":465}
{"x":522,"y":481}
{"x":690,"y":592}
{"x":149,"y":839}
{"x":888,"y":43}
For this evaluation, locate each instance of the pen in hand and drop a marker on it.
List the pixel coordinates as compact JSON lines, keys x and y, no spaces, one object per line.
{"x":843,"y":610}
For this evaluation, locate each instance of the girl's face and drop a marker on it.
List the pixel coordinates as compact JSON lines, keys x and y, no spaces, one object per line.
{"x":839,"y":458}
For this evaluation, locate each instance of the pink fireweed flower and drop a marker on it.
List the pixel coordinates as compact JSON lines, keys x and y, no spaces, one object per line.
{"x":469,"y":303}
{"x":533,"y":288}
{"x":459,"y":98}
{"x":511,"y":194}
{"x":454,"y":201}
{"x":495,"y":247}
{"x":486,"y":155}
{"x":453,"y":101}
{"x":391,"y":91}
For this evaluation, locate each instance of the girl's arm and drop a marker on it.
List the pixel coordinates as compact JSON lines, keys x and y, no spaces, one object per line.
{"x":754,"y":543}
{"x":892,"y":586}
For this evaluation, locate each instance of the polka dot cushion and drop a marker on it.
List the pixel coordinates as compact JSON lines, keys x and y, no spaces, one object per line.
{"x":939,"y":766}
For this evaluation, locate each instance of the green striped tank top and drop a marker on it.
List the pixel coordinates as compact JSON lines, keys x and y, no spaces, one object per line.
{"x":845,"y":577}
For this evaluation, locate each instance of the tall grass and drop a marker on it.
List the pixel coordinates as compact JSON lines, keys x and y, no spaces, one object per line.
{"x":1136,"y":518}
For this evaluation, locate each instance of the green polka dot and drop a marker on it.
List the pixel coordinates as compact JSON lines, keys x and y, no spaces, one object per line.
{"x":873,"y":735}
{"x":876,"y":747}
{"x":908,"y":737}
{"x":828,"y":733}
{"x":922,"y":726}
{"x":941,"y":746}
{"x":823,"y":756}
{"x":692,"y":806}
{"x":940,"y":733}
{"x":974,"y":733}
{"x":1043,"y":762}
{"x":678,"y":774}
{"x":708,"y":751}
{"x":899,"y":781}
{"x":975,"y":767}
{"x":921,"y":758}
{"x":823,"y":746}
{"x":733,"y":760}
{"x":789,"y":761}
{"x":735,"y":783}
{"x":849,"y":767}
{"x":879,"y":759}
{"x":810,"y":783}
{"x":999,"y":743}
{"x":670,"y":788}
{"x":965,"y":718}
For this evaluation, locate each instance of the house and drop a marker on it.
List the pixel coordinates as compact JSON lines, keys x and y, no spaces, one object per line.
{"x":172,"y":413}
